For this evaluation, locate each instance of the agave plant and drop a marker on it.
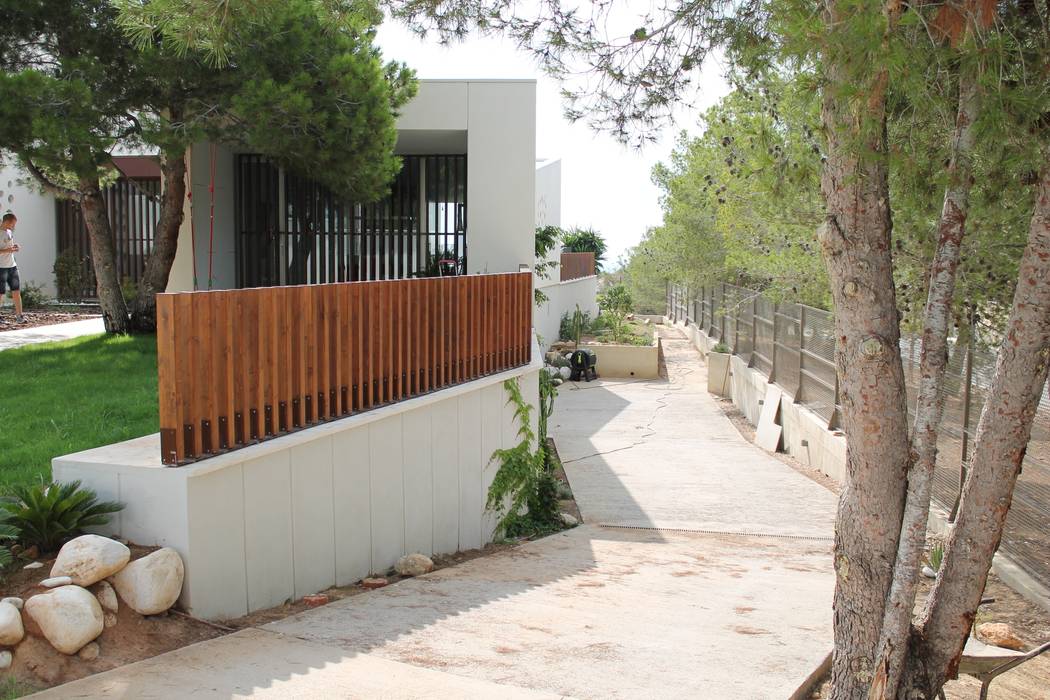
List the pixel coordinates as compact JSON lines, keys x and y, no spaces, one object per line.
{"x":48,"y":514}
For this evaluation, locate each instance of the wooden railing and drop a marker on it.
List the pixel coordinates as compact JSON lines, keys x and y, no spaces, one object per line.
{"x":236,"y":367}
{"x":576,"y":265}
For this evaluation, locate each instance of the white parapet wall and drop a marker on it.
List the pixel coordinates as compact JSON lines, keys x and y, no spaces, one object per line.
{"x":562,"y":298}
{"x":322,"y":507}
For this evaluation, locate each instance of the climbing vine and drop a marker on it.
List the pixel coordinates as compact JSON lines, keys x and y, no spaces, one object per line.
{"x":523,"y":493}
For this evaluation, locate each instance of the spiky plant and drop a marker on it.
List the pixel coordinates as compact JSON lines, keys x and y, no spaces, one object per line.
{"x":8,"y":534}
{"x":49,"y":514}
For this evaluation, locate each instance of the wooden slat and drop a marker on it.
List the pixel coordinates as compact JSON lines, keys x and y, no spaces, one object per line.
{"x":244,"y":365}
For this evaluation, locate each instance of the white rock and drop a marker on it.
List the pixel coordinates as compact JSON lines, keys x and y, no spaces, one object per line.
{"x":565,"y":372}
{"x":11,"y":630}
{"x":152,"y":584}
{"x":109,"y":620}
{"x":90,"y":558}
{"x":568,"y":519}
{"x":107,"y":597}
{"x":56,"y":581}
{"x":17,"y":602}
{"x":89,"y":652}
{"x":34,"y":565}
{"x":5,"y":659}
{"x":928,"y":572}
{"x":69,"y":617}
{"x":414,"y":565}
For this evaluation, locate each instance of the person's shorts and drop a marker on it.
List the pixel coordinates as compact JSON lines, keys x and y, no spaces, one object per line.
{"x":9,"y":280}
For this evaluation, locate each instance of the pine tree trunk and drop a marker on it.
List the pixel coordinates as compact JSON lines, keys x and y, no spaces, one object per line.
{"x":103,"y":256}
{"x":999,"y":449}
{"x":855,"y":240}
{"x":929,"y":405}
{"x":165,"y":242}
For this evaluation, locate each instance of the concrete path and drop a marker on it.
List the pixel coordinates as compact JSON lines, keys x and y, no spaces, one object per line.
{"x":45,"y":334}
{"x":702,"y":571}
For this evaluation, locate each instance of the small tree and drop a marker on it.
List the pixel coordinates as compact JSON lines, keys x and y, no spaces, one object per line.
{"x":615,"y":303}
{"x":546,"y":238}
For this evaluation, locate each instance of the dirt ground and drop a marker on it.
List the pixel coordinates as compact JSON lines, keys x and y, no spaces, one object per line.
{"x":42,"y":317}
{"x":1030,"y":681}
{"x":37,"y":665}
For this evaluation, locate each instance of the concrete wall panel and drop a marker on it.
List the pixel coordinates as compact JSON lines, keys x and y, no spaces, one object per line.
{"x":444,"y":444}
{"x":471,"y":459}
{"x":388,"y":492}
{"x":216,"y":586}
{"x":268,"y":544}
{"x":419,"y":481}
{"x":313,"y":518}
{"x":351,"y":492}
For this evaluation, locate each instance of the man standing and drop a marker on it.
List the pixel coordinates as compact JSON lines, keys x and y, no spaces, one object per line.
{"x":8,"y":267}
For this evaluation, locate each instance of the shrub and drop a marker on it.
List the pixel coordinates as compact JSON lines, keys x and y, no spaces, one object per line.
{"x":721,"y":348}
{"x":48,"y":514}
{"x":581,"y":240}
{"x":69,"y":275}
{"x":129,"y":289}
{"x":33,"y":296}
{"x":615,"y":304}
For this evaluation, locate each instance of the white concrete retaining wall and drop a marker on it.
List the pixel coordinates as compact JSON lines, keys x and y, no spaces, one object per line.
{"x":562,"y":299}
{"x":805,"y":434}
{"x":321,"y":507}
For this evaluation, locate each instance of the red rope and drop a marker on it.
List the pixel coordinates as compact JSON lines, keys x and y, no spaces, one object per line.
{"x":211,"y":220}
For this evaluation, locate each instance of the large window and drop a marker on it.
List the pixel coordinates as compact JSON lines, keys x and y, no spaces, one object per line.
{"x":291,"y":230}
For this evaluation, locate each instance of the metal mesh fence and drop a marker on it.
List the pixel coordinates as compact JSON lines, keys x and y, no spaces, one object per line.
{"x":794,"y":345}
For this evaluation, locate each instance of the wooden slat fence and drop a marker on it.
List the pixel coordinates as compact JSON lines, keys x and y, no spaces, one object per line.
{"x":576,"y":265}
{"x":237,"y":367}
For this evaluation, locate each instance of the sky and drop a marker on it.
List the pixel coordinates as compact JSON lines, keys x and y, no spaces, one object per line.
{"x":605,"y":186}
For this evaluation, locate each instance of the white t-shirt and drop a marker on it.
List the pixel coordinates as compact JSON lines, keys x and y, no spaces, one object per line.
{"x":7,"y":240}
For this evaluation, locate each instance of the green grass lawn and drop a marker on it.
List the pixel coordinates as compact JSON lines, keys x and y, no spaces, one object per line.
{"x":65,"y":397}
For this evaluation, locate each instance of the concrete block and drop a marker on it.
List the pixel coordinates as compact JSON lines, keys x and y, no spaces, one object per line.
{"x":313,"y":517}
{"x":419,"y":481}
{"x":215,"y":569}
{"x":444,"y":447}
{"x":268,"y":530}
{"x":718,"y":373}
{"x":105,"y":483}
{"x":471,"y":495}
{"x":154,"y":507}
{"x":351,"y":473}
{"x":387,"y":487}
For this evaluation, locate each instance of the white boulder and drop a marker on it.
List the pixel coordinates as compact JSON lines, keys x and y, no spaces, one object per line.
{"x":568,"y":519}
{"x":90,"y":558}
{"x":56,"y":581}
{"x":152,"y":584}
{"x":565,"y":372}
{"x":5,"y":659}
{"x":69,"y":617}
{"x":414,"y":565}
{"x":17,"y":602}
{"x":11,"y":630}
{"x":107,"y":597}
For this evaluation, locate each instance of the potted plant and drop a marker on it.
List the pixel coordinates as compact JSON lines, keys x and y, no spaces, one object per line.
{"x":718,"y":369}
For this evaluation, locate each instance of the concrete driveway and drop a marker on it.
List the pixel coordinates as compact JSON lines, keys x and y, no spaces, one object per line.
{"x":703,"y":570}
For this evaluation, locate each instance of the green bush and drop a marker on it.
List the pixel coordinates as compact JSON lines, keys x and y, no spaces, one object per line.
{"x":48,"y":515}
{"x":33,"y":296}
{"x":8,"y":534}
{"x":69,"y":275}
{"x":582,"y":240}
{"x":130,"y":289}
{"x":720,"y":347}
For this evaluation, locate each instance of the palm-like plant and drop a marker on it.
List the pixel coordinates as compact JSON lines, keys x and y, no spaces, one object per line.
{"x":8,"y":533}
{"x":48,"y":514}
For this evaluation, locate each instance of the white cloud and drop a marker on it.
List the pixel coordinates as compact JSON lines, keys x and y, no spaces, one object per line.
{"x":604,"y":184}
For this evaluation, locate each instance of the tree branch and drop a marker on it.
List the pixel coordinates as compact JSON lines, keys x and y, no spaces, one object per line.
{"x":50,"y":187}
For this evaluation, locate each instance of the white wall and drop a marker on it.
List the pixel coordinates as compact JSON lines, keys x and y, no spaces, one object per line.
{"x":321,"y":507}
{"x":36,"y":232}
{"x":563,"y":298}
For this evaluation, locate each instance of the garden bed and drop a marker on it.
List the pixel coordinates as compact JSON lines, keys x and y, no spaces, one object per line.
{"x":34,"y":318}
